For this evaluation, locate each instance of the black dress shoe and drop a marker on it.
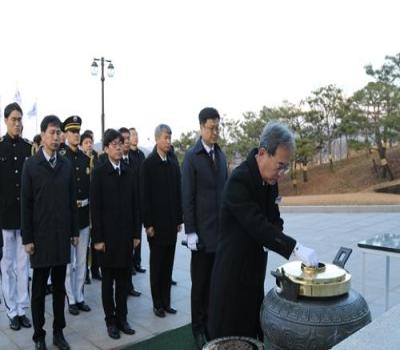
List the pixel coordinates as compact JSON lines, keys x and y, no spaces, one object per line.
{"x":14,"y":323}
{"x":24,"y":321}
{"x":83,"y":307}
{"x":73,"y":309}
{"x":173,"y":283}
{"x":159,"y":312}
{"x":40,"y":345}
{"x":113,"y":332}
{"x":200,"y":340}
{"x":134,"y":293}
{"x":126,"y":328}
{"x":140,"y":269}
{"x":60,"y":342}
{"x":170,"y":310}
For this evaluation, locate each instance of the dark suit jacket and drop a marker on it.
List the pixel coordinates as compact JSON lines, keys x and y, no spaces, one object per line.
{"x":49,"y":216}
{"x":113,"y":206}
{"x":250,"y":220}
{"x":161,"y":198}
{"x":202,"y":185}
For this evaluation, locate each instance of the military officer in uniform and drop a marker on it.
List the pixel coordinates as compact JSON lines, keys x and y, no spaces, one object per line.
{"x":76,"y":270}
{"x":15,"y":263}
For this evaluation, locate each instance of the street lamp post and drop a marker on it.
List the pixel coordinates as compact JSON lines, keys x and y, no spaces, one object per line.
{"x":110,"y":73}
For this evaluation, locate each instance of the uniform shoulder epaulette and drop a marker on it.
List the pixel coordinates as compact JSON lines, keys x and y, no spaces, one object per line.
{"x":28,"y":141}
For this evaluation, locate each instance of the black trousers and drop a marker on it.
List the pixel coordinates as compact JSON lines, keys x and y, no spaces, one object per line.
{"x":137,"y":257}
{"x":161,"y":263}
{"x":39,"y":283}
{"x":130,"y":282}
{"x":115,"y":300}
{"x":201,"y":266}
{"x":95,"y":259}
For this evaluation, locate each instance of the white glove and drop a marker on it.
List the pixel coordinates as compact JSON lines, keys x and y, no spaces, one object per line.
{"x":192,"y":240}
{"x":307,"y":255}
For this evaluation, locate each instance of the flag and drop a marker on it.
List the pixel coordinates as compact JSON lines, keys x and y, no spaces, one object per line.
{"x":17,"y":97}
{"x":33,"y":112}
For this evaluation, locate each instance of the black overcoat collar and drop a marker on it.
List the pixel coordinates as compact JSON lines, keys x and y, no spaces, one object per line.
{"x":260,"y":186}
{"x":44,"y":162}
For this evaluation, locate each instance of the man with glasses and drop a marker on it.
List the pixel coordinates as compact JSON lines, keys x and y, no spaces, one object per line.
{"x":203,"y":178}
{"x":49,"y":222}
{"x":114,"y":214}
{"x":250,"y":222}
{"x":14,"y":150}
{"x":76,"y":270}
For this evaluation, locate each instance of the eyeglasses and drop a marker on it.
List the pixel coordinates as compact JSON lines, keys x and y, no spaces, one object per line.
{"x":281,"y":167}
{"x":116,"y":143}
{"x":212,"y":128}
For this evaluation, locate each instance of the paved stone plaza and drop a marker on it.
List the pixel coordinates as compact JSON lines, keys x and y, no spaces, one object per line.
{"x":325,"y":232}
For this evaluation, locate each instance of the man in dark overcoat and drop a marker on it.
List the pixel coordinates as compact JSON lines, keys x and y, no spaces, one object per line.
{"x":14,"y":150}
{"x":250,"y":222}
{"x":49,"y":226}
{"x":128,"y":160}
{"x":137,"y":156}
{"x":203,"y":178}
{"x":162,"y":216}
{"x":114,"y":220}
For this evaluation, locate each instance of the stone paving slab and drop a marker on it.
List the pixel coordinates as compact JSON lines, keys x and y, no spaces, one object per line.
{"x":381,"y":334}
{"x":325,"y":232}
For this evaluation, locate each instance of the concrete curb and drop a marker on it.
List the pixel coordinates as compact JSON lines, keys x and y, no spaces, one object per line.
{"x":395,"y":208}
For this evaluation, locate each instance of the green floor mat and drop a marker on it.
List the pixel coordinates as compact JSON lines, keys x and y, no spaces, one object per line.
{"x":176,"y":339}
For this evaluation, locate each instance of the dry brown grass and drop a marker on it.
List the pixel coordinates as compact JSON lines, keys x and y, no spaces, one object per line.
{"x":352,"y":175}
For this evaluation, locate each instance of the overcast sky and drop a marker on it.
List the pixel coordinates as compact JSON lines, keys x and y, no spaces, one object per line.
{"x":172,"y":57}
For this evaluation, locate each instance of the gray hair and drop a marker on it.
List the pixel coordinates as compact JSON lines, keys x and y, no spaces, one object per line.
{"x":276,"y":134}
{"x":160,"y":129}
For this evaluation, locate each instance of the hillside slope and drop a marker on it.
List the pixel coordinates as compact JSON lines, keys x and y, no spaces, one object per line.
{"x":350,"y":175}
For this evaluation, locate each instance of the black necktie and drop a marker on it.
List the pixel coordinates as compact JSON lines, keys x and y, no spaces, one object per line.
{"x":126,"y":160}
{"x":52,"y":161}
{"x":118,"y":170}
{"x":212,"y":155}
